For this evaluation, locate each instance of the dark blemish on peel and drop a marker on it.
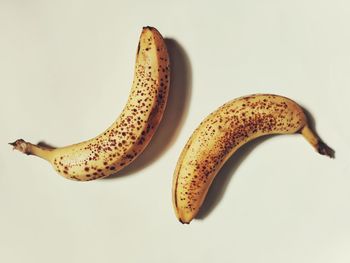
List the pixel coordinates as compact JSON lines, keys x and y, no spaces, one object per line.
{"x":138,"y":48}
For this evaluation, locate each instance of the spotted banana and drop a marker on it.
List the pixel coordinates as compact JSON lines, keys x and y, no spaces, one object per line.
{"x":128,"y":136}
{"x":222,"y":133}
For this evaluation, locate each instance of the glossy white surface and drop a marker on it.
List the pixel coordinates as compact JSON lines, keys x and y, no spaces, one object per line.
{"x":65,"y":72}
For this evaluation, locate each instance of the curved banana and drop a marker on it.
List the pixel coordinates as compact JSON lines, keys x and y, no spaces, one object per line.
{"x":222,"y":133}
{"x":128,"y":136}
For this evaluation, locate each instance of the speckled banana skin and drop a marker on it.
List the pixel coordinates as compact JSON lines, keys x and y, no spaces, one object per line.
{"x":128,"y":136}
{"x":222,"y":133}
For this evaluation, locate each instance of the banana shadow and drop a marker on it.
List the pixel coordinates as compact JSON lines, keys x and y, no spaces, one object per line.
{"x":175,"y":112}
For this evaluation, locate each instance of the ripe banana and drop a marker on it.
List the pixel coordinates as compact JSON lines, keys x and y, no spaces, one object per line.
{"x":128,"y":136}
{"x":222,"y":133}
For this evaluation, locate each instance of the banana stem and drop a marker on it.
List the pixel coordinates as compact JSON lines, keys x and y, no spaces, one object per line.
{"x":317,"y":143}
{"x":32,"y":149}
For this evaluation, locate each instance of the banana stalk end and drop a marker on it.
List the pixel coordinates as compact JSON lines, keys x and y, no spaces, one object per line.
{"x":324,"y":149}
{"x":20,"y":145}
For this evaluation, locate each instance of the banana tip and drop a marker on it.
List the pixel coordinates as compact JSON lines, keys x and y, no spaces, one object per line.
{"x":324,"y":149}
{"x":148,"y":27}
{"x":184,"y":222}
{"x":20,"y":145}
{"x":16,"y":143}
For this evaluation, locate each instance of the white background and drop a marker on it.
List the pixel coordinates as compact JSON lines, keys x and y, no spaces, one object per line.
{"x":66,"y":69}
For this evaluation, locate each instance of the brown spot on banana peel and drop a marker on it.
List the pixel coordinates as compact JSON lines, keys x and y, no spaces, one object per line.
{"x":138,"y":49}
{"x":224,"y":131}
{"x":129,"y":135}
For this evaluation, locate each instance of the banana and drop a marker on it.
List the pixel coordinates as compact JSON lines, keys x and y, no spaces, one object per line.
{"x":128,"y":136}
{"x":220,"y":135}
